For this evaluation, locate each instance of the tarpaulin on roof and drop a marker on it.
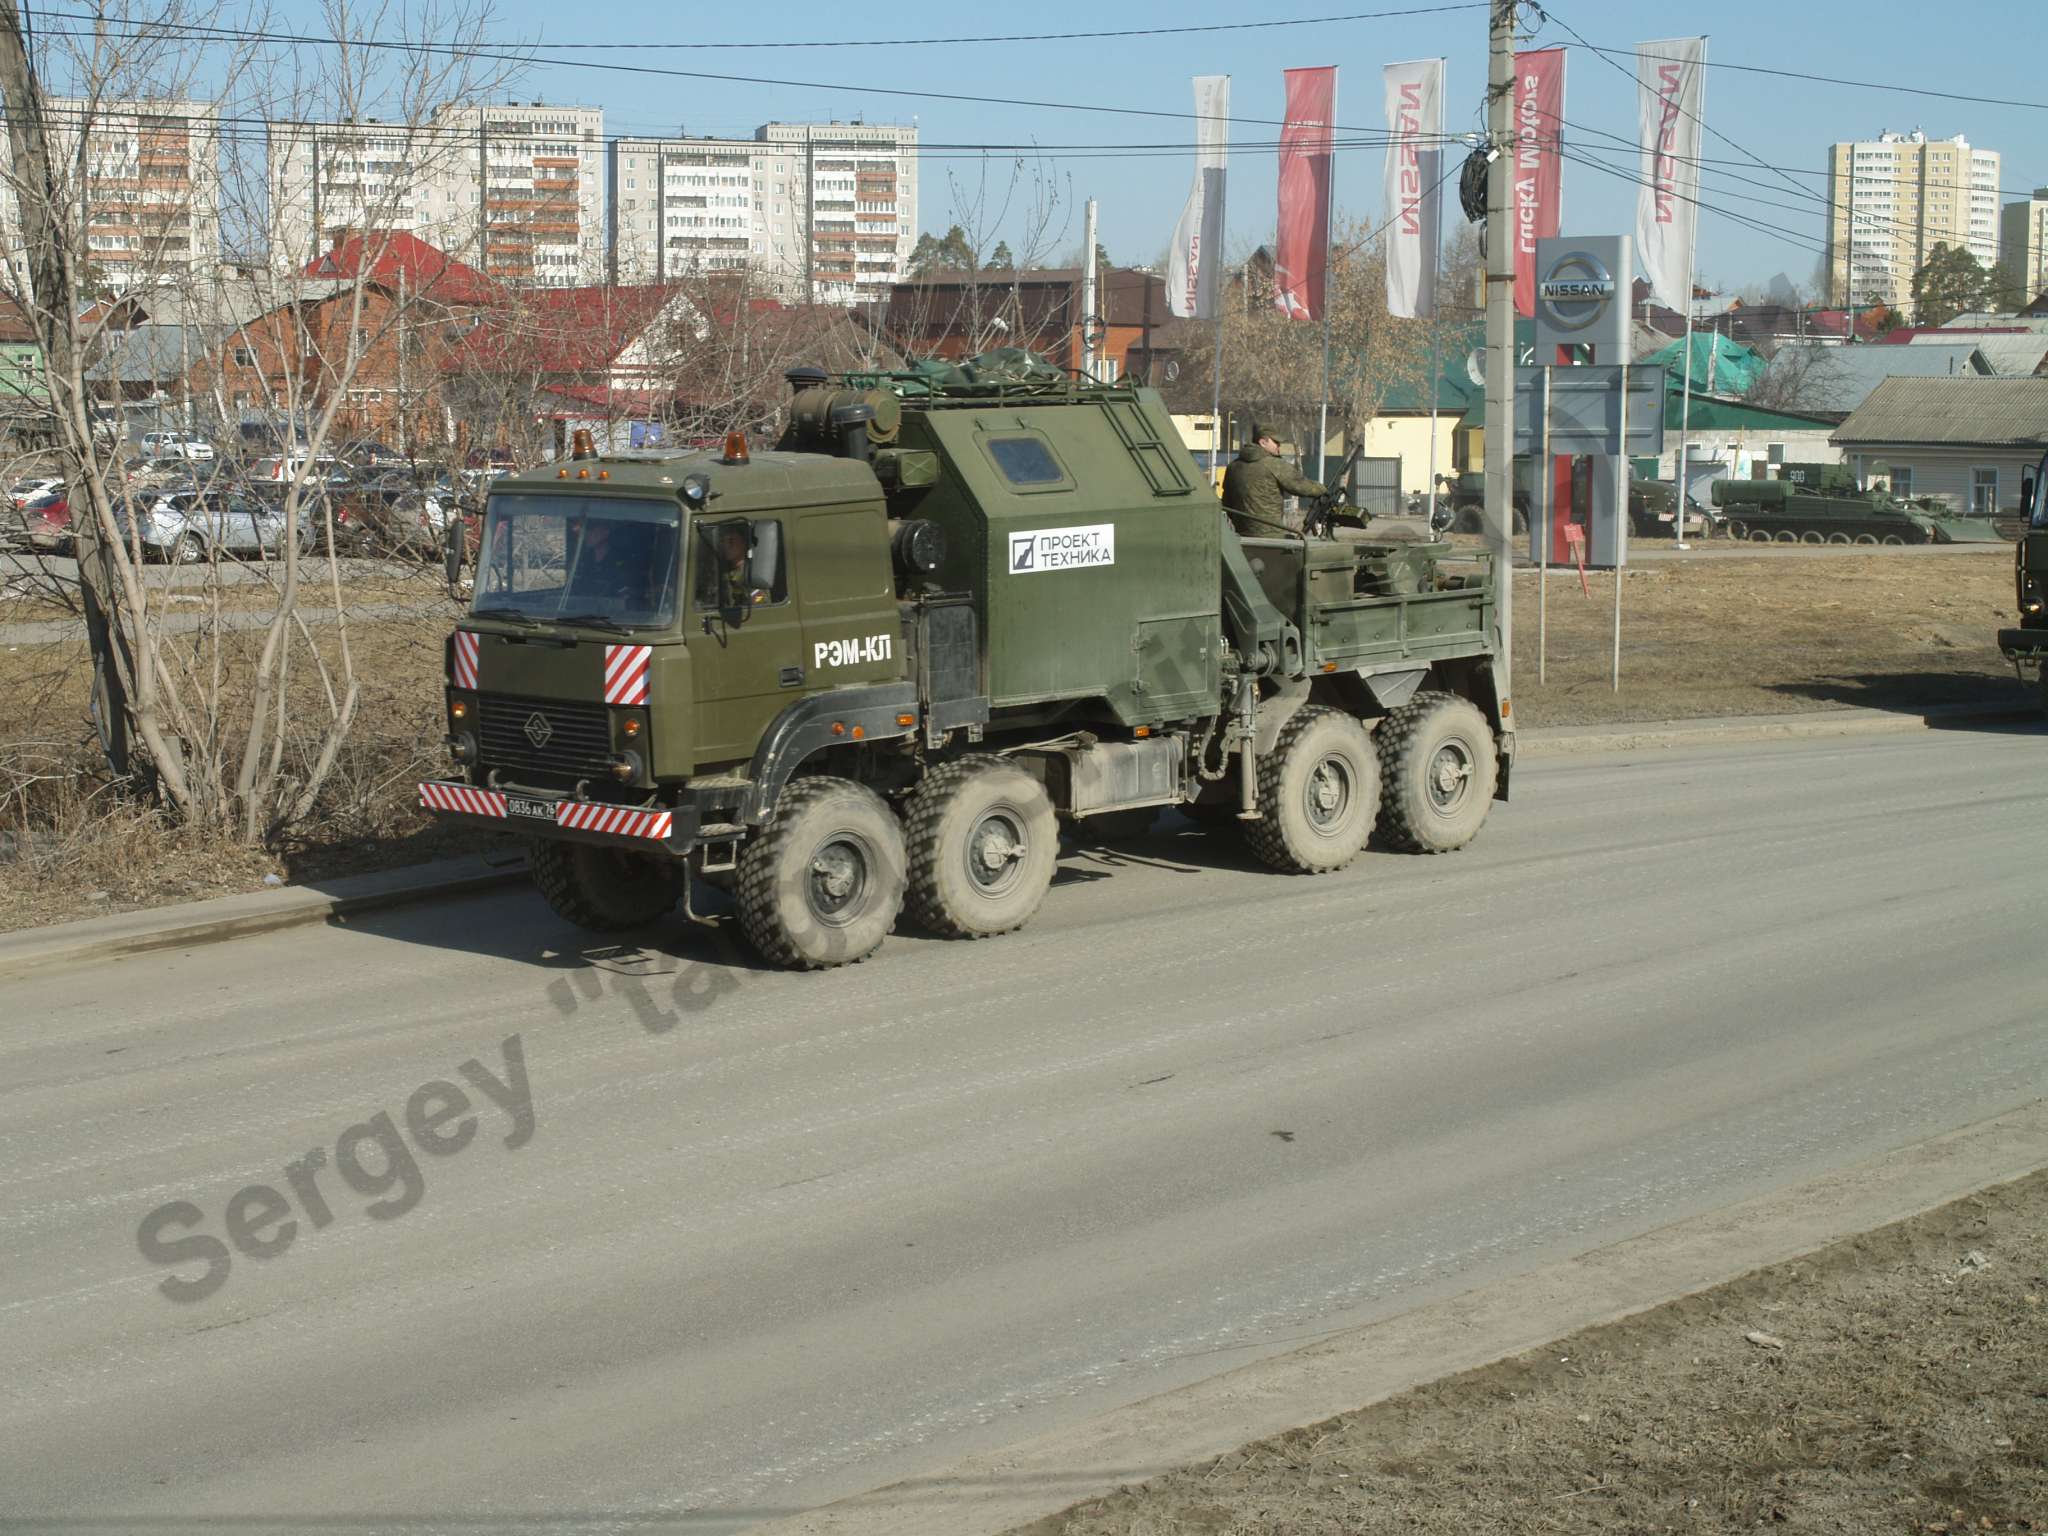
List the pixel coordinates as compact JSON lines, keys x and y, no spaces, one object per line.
{"x":1719,"y":366}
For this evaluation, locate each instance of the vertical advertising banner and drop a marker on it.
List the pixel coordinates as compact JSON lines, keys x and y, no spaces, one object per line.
{"x":1414,"y":185}
{"x":1194,"y":267}
{"x":1667,"y":208}
{"x":1301,"y":254}
{"x":1539,"y":163}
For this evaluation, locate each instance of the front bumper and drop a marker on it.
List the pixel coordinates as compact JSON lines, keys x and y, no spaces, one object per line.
{"x":583,"y":821}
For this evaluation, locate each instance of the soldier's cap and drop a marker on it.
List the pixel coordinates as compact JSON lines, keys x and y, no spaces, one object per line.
{"x":1259,"y":430}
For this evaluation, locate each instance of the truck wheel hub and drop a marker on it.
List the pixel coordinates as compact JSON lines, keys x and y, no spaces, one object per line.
{"x":1449,"y":772}
{"x":1329,"y":793}
{"x":994,"y":850}
{"x":838,"y":877}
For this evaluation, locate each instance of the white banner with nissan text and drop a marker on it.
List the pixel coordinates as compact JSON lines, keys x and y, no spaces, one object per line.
{"x":1668,"y":80}
{"x":1414,"y":184}
{"x":1194,"y":267}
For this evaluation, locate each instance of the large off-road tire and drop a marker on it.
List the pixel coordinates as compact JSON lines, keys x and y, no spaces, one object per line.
{"x":605,"y":889}
{"x":1438,"y":766}
{"x":983,"y":843}
{"x":1737,"y":529}
{"x":822,"y":883}
{"x":1318,"y":795}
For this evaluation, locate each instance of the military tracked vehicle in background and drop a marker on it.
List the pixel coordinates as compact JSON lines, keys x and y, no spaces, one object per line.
{"x":1821,"y":504}
{"x":2027,"y":646}
{"x":873,"y":669}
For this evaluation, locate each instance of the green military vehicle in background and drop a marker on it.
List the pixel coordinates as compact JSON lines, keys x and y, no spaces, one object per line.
{"x":2027,"y":646}
{"x":872,"y":670}
{"x":1821,"y":504}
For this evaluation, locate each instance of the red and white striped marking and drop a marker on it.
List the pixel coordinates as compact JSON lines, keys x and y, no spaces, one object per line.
{"x":460,"y":797}
{"x":625,"y":673}
{"x":618,"y":820}
{"x":465,"y":658}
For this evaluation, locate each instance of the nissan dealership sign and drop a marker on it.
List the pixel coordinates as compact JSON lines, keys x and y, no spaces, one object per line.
{"x":1579,"y":297}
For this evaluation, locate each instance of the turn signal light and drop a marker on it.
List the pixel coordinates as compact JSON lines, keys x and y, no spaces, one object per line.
{"x":459,"y":710}
{"x":631,"y":726}
{"x":735,"y":447}
{"x":838,"y":728}
{"x":2031,"y":605}
{"x":1142,"y":732}
{"x":859,"y":731}
{"x":906,"y":719}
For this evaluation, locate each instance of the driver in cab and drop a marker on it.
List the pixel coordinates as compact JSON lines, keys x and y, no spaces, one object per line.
{"x":612,"y":563}
{"x":726,"y":582}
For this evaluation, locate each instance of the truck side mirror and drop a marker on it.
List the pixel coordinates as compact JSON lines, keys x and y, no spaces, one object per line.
{"x":458,"y":537}
{"x":2028,"y":490}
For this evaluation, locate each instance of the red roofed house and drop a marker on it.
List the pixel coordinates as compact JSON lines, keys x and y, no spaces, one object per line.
{"x":550,"y":360}
{"x":400,"y":261}
{"x":382,"y":353}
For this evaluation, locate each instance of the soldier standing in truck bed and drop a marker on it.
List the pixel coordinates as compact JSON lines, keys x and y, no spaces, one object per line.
{"x":1255,"y":483}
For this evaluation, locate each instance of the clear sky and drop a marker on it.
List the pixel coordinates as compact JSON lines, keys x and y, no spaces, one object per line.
{"x":1973,"y":48}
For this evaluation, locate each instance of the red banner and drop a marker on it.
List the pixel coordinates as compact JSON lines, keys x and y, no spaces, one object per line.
{"x":1301,"y":254}
{"x":1539,"y":164}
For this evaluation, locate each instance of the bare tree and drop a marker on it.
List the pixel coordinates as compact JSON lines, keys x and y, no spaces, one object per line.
{"x":225,"y":740}
{"x":1273,"y":365}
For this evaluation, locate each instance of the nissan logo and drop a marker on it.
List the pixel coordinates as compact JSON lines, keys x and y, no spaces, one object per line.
{"x":1576,"y":291}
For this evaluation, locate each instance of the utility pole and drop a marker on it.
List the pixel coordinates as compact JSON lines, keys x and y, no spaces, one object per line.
{"x":1500,"y":333}
{"x":1088,"y":282}
{"x":810,"y":222}
{"x":53,"y":285}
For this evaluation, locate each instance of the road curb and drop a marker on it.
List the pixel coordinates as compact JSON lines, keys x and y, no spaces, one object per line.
{"x":234,"y":917}
{"x":996,"y":1491}
{"x":1650,"y":735}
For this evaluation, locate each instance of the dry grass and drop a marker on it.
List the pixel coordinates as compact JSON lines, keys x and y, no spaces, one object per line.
{"x":71,"y":846}
{"x":1743,"y":636}
{"x":1910,"y":1395}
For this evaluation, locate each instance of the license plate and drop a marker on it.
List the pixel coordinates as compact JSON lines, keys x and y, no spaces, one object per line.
{"x":537,"y":810}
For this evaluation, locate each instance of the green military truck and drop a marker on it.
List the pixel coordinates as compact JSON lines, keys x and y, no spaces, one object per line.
{"x":2026,"y":647}
{"x":872,"y":670}
{"x":1821,"y":504}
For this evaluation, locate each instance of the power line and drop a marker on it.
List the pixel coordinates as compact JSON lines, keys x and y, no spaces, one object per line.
{"x":142,"y":32}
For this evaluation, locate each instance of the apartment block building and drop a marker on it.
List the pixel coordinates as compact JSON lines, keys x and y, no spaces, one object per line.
{"x":516,"y":188}
{"x":1894,"y":198}
{"x":152,"y":192}
{"x":2023,"y":241}
{"x":825,"y":212}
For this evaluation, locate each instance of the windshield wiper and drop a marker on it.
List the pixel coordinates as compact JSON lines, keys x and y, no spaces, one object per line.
{"x":595,"y":621}
{"x":510,"y":615}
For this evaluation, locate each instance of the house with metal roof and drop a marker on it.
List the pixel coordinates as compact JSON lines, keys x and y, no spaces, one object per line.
{"x":1964,"y":439}
{"x":1834,"y":380}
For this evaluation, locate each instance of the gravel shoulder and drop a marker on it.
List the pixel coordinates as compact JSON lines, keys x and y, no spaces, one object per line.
{"x":1894,"y":1381}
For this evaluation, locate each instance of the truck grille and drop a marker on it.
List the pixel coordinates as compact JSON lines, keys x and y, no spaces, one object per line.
{"x":550,"y":736}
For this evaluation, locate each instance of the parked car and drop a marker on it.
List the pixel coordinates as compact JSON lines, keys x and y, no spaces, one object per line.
{"x":1651,"y":514}
{"x":367,"y":453}
{"x":46,"y":521}
{"x":177,"y":445}
{"x":189,"y":526}
{"x":22,"y":492}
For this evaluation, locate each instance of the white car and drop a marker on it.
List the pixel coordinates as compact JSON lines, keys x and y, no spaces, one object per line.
{"x":177,"y":445}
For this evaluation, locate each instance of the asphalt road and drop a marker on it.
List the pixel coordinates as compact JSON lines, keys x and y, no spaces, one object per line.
{"x":772,"y":1239}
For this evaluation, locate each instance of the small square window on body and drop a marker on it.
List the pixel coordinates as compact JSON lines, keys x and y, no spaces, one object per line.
{"x":1025,"y":461}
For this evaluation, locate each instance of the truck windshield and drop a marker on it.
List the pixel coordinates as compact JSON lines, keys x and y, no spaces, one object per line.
{"x":592,"y":559}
